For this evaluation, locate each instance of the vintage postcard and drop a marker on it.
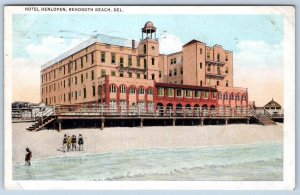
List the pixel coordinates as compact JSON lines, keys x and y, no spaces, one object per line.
{"x":149,"y":97}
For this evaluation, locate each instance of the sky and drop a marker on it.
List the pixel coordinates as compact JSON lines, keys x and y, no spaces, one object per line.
{"x":256,"y":42}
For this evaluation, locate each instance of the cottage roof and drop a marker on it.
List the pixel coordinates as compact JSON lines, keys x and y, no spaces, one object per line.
{"x":272,"y":103}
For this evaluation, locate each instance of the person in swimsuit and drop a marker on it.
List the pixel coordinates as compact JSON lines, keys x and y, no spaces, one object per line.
{"x":28,"y":157}
{"x":69,"y":142}
{"x":65,"y":142}
{"x":74,"y":142}
{"x":80,"y":142}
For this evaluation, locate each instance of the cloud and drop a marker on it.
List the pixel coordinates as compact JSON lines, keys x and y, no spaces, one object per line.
{"x":169,"y":43}
{"x":259,"y":67}
{"x":27,"y":69}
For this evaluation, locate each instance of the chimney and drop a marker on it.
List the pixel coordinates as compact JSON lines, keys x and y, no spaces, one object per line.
{"x":133,"y":44}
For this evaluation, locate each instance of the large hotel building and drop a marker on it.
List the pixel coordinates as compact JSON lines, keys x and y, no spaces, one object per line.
{"x":117,"y":72}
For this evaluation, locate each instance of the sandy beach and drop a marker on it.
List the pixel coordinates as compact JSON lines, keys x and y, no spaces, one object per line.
{"x":47,"y":143}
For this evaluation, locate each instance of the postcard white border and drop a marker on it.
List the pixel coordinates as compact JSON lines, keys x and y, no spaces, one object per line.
{"x":288,"y":182}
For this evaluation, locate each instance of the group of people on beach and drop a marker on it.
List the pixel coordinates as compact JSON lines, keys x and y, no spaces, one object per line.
{"x":70,"y":143}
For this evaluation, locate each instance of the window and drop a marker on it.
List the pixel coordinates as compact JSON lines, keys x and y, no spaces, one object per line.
{"x":226,"y":58}
{"x":86,"y":75}
{"x":200,"y":51}
{"x":64,"y":97}
{"x":138,"y":62}
{"x":159,"y":74}
{"x":92,"y":75}
{"x":226,"y":83}
{"x":170,"y":73}
{"x":218,"y":83}
{"x":81,"y":78}
{"x":152,"y":76}
{"x":171,"y":61}
{"x":208,"y":55}
{"x":64,"y":83}
{"x":122,"y":89}
{"x":174,"y":60}
{"x":103,"y":73}
{"x":129,"y":60}
{"x":178,"y":93}
{"x":150,"y":91}
{"x":181,"y":81}
{"x":132,"y":90}
{"x":181,"y":72}
{"x":113,"y":73}
{"x":145,"y":63}
{"x":208,"y":68}
{"x":205,"y":95}
{"x":81,"y":62}
{"x":145,"y":49}
{"x":170,"y":92}
{"x":197,"y":94}
{"x":69,"y":82}
{"x":113,"y":58}
{"x":75,"y":64}
{"x":153,"y":61}
{"x":201,"y":83}
{"x":75,"y":95}
{"x":121,"y":74}
{"x":175,"y":72}
{"x":226,"y":71}
{"x":160,"y":91}
{"x":200,"y":65}
{"x":102,"y":56}
{"x":138,"y":75}
{"x":218,"y":57}
{"x":188,"y":93}
{"x":86,"y":57}
{"x":121,"y":61}
{"x":225,"y":96}
{"x":214,"y":95}
{"x":220,"y":96}
{"x":94,"y":90}
{"x":130,"y":74}
{"x":84,"y":92}
{"x":232,"y":96}
{"x":92,"y":56}
{"x":75,"y":80}
{"x":142,"y":91}
{"x":113,"y":89}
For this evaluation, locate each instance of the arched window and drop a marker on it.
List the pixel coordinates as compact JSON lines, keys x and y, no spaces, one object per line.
{"x":113,"y":89}
{"x":232,"y":96}
{"x":225,"y":96}
{"x":122,"y":89}
{"x":141,"y":90}
{"x":244,"y":97}
{"x":218,"y":57}
{"x":220,"y":96}
{"x":145,"y":49}
{"x":132,"y":90}
{"x":150,"y":91}
{"x":238,"y":97}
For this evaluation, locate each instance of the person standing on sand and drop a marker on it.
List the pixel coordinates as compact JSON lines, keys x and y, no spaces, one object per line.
{"x":74,"y":142}
{"x":69,"y":142}
{"x":80,"y":142}
{"x":65,"y":142}
{"x":28,"y":157}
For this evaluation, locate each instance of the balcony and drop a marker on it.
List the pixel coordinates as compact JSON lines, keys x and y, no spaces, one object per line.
{"x":130,"y":68}
{"x":216,"y":74}
{"x":213,"y":62}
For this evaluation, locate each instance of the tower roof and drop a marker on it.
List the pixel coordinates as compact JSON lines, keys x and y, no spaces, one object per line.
{"x":149,"y":26}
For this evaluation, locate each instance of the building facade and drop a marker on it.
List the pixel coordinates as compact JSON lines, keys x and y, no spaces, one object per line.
{"x":117,"y":72}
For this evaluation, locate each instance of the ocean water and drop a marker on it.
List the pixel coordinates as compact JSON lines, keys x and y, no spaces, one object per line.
{"x":255,"y":162}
